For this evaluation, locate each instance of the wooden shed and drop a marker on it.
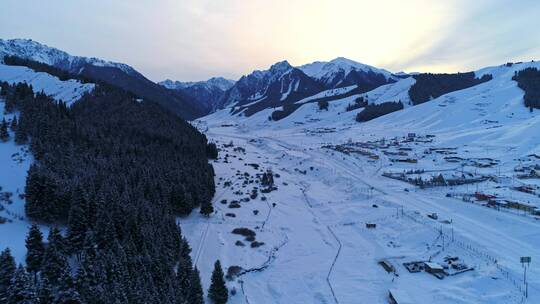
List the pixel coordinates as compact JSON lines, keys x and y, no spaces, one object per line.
{"x":435,"y":269}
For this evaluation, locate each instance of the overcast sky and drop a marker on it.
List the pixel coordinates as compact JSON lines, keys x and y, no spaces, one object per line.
{"x":198,"y":39}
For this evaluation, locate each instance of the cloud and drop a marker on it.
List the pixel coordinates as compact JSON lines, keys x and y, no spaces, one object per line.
{"x":488,"y":33}
{"x":197,"y":39}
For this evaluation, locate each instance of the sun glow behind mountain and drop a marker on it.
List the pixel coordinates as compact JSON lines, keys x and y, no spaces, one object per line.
{"x":196,"y":39}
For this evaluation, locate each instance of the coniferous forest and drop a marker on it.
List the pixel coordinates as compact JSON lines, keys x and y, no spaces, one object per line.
{"x":429,"y":86}
{"x":529,"y":81}
{"x":372,"y":111}
{"x":114,"y":172}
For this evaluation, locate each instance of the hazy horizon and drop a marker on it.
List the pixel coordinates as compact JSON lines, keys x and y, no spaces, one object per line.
{"x":196,"y":40}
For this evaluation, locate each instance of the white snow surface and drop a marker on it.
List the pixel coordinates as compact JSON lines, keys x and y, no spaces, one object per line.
{"x":317,"y":246}
{"x":68,"y":91}
{"x":15,"y":161}
{"x":397,"y":91}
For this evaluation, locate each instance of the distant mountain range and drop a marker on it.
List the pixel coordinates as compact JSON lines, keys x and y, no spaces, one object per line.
{"x":206,"y":93}
{"x":284,"y":84}
{"x":280,"y":85}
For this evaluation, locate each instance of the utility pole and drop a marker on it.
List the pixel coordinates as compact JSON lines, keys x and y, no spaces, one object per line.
{"x":452,"y":227}
{"x":525,"y":262}
{"x":442,"y":234}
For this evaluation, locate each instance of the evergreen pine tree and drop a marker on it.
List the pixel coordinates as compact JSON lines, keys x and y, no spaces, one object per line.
{"x":66,"y":293}
{"x":4,"y":134}
{"x":218,"y":291}
{"x":211,"y":151}
{"x":183,"y":280}
{"x":14,"y":124}
{"x":207,"y":208}
{"x":7,"y":271}
{"x":35,"y":249}
{"x":77,"y":224}
{"x":91,"y":276}
{"x":196,"y":295}
{"x":54,"y":260}
{"x":45,"y":291}
{"x":22,"y":289}
{"x":105,"y":230}
{"x":21,"y":136}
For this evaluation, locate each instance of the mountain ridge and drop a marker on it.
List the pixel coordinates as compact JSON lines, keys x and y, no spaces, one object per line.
{"x":99,"y":70}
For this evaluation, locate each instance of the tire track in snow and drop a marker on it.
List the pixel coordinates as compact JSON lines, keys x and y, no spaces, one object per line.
{"x":303,"y":188}
{"x":202,"y":242}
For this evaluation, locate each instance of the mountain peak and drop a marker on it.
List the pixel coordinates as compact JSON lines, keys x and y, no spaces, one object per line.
{"x":281,"y":66}
{"x":344,"y":60}
{"x":332,"y":71}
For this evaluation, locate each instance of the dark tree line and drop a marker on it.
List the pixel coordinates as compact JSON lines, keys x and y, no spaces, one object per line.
{"x":429,"y":86}
{"x":115,"y":172}
{"x":529,"y":81}
{"x":323,"y":105}
{"x":359,"y":102}
{"x":372,"y":111}
{"x":288,"y":109}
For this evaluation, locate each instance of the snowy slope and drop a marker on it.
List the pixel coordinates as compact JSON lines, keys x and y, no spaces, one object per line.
{"x":492,"y":112}
{"x":309,"y":112}
{"x":15,"y":161}
{"x":397,"y":91}
{"x":328,"y":93}
{"x":68,"y":91}
{"x":496,"y":100}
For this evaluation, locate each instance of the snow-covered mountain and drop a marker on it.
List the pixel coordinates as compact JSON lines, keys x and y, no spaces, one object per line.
{"x":281,"y":82}
{"x":30,"y":49}
{"x":98,"y":70}
{"x":342,"y":72}
{"x":284,"y":84}
{"x":207,"y":93}
{"x":214,"y":82}
{"x":307,"y":112}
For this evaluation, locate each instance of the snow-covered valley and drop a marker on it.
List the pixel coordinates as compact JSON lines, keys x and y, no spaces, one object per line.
{"x":434,"y":203}
{"x":348,"y":199}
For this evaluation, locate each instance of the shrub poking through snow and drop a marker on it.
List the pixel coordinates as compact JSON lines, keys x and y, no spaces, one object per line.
{"x":244,"y":232}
